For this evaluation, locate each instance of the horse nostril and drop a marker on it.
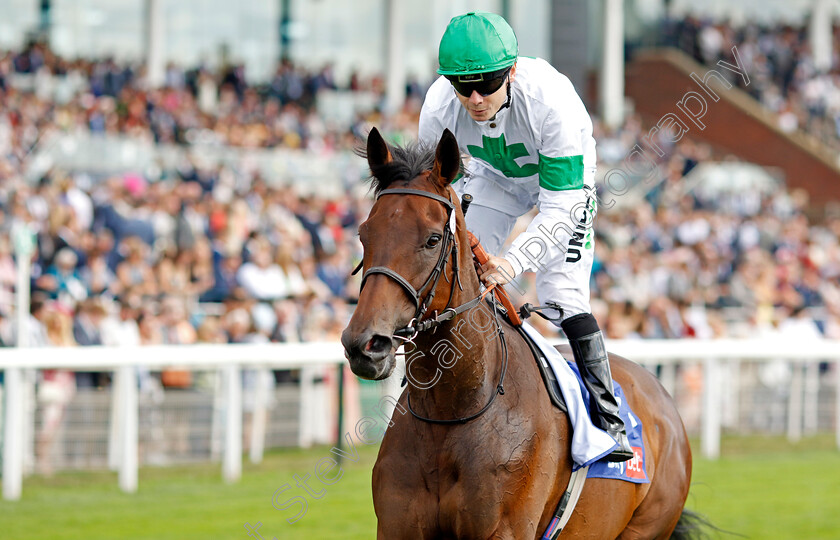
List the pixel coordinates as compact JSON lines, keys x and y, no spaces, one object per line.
{"x":378,"y":345}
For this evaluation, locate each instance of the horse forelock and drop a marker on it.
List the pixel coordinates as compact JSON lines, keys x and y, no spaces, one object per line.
{"x":407,"y":163}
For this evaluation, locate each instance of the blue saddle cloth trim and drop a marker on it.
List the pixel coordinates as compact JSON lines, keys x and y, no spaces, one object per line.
{"x":630,"y":471}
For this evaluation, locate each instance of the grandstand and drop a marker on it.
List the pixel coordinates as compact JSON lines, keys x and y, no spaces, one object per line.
{"x":184,"y":181}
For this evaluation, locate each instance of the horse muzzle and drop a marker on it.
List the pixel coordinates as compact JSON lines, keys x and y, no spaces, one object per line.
{"x":371,"y":355}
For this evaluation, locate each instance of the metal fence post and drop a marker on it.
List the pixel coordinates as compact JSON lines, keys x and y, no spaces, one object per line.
{"x":115,"y":428}
{"x":128,"y":432}
{"x":307,"y":403}
{"x":710,"y":421}
{"x":837,"y":403}
{"x":12,"y":440}
{"x":232,"y":459}
{"x":731,"y":384}
{"x":810,"y":408}
{"x":339,"y":425}
{"x":668,"y":377}
{"x":259,"y":421}
{"x":794,"y":427}
{"x":27,"y":434}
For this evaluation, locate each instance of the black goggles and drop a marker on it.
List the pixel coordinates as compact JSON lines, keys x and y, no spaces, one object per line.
{"x":483,"y":83}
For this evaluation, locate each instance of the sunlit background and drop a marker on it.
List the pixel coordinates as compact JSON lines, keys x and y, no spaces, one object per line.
{"x":179,"y":202}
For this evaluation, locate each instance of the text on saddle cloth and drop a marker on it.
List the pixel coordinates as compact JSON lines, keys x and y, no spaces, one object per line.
{"x":634,"y":469}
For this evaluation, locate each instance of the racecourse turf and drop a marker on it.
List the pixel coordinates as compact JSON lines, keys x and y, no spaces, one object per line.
{"x":763,"y":488}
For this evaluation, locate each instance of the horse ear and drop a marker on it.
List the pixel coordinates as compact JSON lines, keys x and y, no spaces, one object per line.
{"x":377,"y":150}
{"x":447,"y":159}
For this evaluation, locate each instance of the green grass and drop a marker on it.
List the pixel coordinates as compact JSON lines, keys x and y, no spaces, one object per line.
{"x":764,"y":488}
{"x":192,"y":502}
{"x":767,"y":488}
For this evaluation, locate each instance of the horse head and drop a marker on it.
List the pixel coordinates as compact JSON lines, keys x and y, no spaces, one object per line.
{"x":410,"y":242}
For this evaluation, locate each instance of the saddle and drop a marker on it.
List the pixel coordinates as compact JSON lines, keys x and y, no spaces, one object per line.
{"x":500,"y":300}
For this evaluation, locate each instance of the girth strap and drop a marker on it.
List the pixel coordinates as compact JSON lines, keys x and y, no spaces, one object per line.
{"x":567,"y":504}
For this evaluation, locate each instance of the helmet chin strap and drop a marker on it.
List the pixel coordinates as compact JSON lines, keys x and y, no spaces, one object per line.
{"x":506,"y":104}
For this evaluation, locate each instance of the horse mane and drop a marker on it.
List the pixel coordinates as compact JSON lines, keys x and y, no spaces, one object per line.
{"x":407,"y":162}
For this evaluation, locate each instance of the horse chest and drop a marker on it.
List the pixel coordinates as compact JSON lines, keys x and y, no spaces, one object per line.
{"x":467,"y":482}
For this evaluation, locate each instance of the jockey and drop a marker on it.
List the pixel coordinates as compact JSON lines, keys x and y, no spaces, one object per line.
{"x":530,"y":141}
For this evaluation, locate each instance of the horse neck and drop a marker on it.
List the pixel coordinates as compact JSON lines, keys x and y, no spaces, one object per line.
{"x":462,"y":358}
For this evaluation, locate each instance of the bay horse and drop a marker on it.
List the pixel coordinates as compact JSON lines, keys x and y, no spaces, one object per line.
{"x":484,"y":453}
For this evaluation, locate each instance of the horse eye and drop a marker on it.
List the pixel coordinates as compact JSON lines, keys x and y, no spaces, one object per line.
{"x":433,"y":240}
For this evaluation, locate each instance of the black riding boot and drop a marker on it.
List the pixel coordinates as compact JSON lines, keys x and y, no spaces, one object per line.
{"x":587,"y":344}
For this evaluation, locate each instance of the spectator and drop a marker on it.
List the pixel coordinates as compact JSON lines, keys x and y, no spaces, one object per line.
{"x":98,"y":279}
{"x":61,"y":281}
{"x":225,"y":282}
{"x":56,"y":386}
{"x":86,"y":332}
{"x":134,"y":272}
{"x":260,"y":277}
{"x":333,"y":273}
{"x":175,"y":326}
{"x":120,"y":329}
{"x":7,"y":330}
{"x":8,"y":274}
{"x":149,"y":328}
{"x":238,"y":326}
{"x":39,"y":313}
{"x":210,"y":331}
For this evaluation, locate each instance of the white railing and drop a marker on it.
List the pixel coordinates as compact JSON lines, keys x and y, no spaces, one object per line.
{"x":123,"y":361}
{"x":229,"y":360}
{"x":716,"y":354}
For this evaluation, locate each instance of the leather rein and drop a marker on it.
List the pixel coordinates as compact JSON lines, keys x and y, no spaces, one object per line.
{"x":418,"y":323}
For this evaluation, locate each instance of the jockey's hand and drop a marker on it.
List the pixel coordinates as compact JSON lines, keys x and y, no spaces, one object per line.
{"x":496,"y":270}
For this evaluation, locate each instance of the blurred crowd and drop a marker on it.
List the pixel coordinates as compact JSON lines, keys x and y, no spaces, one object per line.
{"x":673,"y":261}
{"x":781,"y":67}
{"x":43,"y":91}
{"x":196,"y":254}
{"x":227,"y":256}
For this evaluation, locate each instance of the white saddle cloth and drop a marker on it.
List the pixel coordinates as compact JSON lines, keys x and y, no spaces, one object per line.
{"x":589,"y":443}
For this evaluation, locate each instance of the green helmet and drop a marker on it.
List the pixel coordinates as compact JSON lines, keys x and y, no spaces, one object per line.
{"x":478,"y":42}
